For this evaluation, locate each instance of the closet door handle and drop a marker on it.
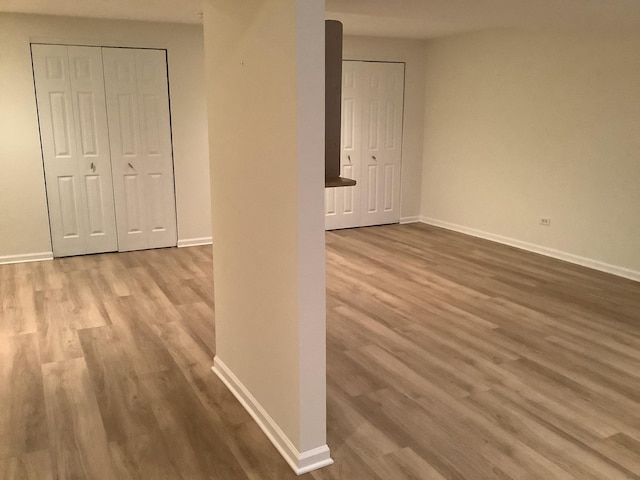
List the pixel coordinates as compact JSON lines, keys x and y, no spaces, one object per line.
{"x":130,"y":166}
{"x":374,"y":157}
{"x":93,"y":167}
{"x":349,"y":158}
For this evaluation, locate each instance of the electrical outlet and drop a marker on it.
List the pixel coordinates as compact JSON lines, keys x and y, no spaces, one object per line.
{"x":544,"y":221}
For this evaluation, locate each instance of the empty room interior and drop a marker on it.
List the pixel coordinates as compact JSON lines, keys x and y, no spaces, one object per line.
{"x":181,"y":297}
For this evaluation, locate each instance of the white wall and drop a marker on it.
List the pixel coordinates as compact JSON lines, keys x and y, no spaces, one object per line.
{"x":412,"y":52}
{"x":524,"y":125}
{"x":24,"y":227}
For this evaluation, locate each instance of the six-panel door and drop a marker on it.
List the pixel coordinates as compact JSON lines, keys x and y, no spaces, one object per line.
{"x":381,"y":143}
{"x":372,"y":109}
{"x":141,"y":157}
{"x":75,"y":146}
{"x":342,"y":205}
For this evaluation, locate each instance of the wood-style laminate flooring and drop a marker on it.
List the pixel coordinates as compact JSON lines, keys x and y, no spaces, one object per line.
{"x":449,"y":357}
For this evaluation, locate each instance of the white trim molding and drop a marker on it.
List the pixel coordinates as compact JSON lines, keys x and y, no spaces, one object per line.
{"x":194,"y":242}
{"x":27,"y":257}
{"x":405,"y":220}
{"x":300,"y":462}
{"x":531,"y":247}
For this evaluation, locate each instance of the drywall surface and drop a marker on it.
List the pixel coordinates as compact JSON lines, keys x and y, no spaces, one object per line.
{"x":24,"y":224}
{"x":524,"y":125}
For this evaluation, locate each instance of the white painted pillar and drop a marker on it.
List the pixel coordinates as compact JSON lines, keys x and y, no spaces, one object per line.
{"x":265,"y":92}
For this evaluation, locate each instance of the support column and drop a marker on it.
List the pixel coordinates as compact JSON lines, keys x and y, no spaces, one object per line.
{"x":265,"y":93}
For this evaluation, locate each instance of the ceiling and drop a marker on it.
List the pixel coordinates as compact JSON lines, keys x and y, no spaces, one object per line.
{"x":433,"y":18}
{"x":390,"y":18}
{"x":181,"y":11}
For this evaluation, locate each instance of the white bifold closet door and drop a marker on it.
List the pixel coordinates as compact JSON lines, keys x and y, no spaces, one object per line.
{"x":141,"y":155}
{"x":75,"y":146}
{"x":372,"y":111}
{"x":106,"y":142}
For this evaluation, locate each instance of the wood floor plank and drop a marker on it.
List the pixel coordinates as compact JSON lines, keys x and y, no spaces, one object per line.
{"x":58,"y":339}
{"x":195,"y":445}
{"x":404,"y":419}
{"x":143,"y":457}
{"x":350,"y":376}
{"x":124,"y":411}
{"x":11,"y":469}
{"x":76,"y":432}
{"x":347,"y":464}
{"x":133,"y":325}
{"x":17,"y":307}
{"x":621,"y":449}
{"x":587,"y":425}
{"x":405,"y":463}
{"x":38,"y":465}
{"x":560,"y":448}
{"x":560,"y":386}
{"x":30,"y":466}
{"x":449,"y":414}
{"x":195,"y":366}
{"x":198,"y":321}
{"x":23,"y":421}
{"x":258,"y":460}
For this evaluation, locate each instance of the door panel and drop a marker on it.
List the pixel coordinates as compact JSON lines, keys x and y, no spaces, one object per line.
{"x":142,"y":163}
{"x":155,"y":193}
{"x":390,"y":133}
{"x":151,"y":121}
{"x":93,"y":187}
{"x":388,"y":188}
{"x":72,"y":116}
{"x":133,"y":202}
{"x":372,"y":193}
{"x":87,"y":120}
{"x":128,"y":121}
{"x":373,"y":121}
{"x":60,"y":123}
{"x":68,"y":207}
{"x":348,"y":171}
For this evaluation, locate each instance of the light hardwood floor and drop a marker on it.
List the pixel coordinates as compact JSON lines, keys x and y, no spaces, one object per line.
{"x":449,"y":357}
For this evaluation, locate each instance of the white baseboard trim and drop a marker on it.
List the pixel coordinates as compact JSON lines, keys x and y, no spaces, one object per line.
{"x":531,"y":247}
{"x":28,"y":257}
{"x":194,"y":242}
{"x":300,"y":462}
{"x":405,"y":220}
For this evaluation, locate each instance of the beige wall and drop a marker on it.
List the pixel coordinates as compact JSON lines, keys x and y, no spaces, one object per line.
{"x":524,"y":125}
{"x":412,"y":53}
{"x":265,"y":91}
{"x":24,"y":227}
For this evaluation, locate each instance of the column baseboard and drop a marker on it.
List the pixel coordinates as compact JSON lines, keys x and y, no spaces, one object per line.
{"x":300,"y":462}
